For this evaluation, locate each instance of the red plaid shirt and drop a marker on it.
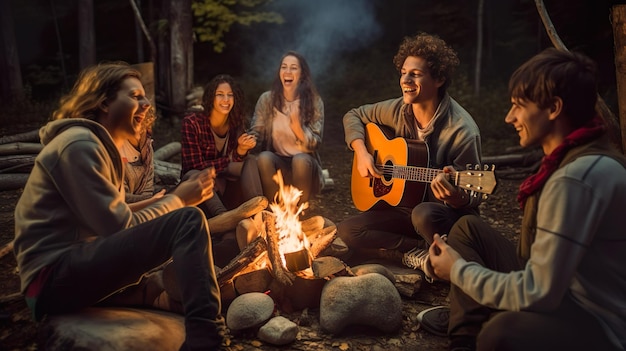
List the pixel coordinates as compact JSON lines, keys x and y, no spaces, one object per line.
{"x":198,"y":150}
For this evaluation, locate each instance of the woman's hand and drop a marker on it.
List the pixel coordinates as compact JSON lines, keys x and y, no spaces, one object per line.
{"x":294,"y":121}
{"x":245,"y":143}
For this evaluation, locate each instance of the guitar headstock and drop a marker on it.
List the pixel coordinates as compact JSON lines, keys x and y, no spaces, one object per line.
{"x":477,"y":179}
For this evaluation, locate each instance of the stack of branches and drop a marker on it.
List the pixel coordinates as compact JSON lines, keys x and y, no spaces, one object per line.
{"x":18,"y":153}
{"x":17,"y":157}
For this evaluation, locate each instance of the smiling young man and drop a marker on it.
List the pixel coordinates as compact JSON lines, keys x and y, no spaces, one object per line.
{"x":563,"y":288}
{"x":77,"y":242}
{"x":425,"y":112}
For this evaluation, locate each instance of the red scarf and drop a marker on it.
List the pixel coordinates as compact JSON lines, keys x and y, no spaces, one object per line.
{"x":590,"y":131}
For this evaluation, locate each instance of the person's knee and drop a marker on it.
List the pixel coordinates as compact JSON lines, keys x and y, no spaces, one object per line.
{"x":421,"y":218}
{"x":265,"y":158}
{"x":302,"y":161}
{"x":462,"y":228}
{"x":266,"y":163}
{"x":498,"y":332}
{"x":195,"y":222}
{"x":249,"y":162}
{"x":347,"y":233}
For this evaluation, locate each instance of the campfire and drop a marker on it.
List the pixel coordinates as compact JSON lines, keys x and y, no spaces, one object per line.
{"x":293,"y":244}
{"x":281,"y":260}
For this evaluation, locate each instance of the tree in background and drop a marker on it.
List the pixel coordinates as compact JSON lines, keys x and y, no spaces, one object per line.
{"x":11,"y":86}
{"x":214,"y":18}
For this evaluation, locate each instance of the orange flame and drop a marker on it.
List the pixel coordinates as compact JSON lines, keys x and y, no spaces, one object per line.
{"x":288,"y":226}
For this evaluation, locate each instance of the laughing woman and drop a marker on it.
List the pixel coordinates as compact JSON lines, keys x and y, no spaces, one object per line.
{"x":215,"y":138}
{"x":288,"y":121}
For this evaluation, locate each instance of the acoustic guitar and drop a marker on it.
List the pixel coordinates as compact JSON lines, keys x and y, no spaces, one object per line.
{"x":405,"y":175}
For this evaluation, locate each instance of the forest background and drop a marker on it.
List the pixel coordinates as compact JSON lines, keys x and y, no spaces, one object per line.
{"x":349,"y":46}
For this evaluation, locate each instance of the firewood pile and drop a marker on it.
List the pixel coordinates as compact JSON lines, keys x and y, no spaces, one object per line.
{"x":515,"y":163}
{"x":259,"y":266}
{"x":18,"y":153}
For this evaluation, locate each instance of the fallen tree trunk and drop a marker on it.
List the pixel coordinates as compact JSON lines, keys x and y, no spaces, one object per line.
{"x":519,"y":159}
{"x":168,"y":173}
{"x":17,"y":163}
{"x":20,"y":148}
{"x":11,"y":181}
{"x":168,"y":151}
{"x":32,"y":136}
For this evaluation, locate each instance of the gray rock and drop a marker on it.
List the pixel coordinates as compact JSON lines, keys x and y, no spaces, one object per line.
{"x":249,"y":310}
{"x":374,"y":268}
{"x":369,"y":299}
{"x":278,"y":331}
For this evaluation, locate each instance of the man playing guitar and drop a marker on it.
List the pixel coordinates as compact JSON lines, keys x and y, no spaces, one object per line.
{"x":449,"y":139}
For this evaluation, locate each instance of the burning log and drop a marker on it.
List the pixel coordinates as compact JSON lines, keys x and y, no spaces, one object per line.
{"x":280,"y":273}
{"x":321,"y":240}
{"x":260,"y":266}
{"x":251,"y":254}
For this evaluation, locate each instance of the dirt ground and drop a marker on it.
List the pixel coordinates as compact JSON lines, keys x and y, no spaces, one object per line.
{"x":18,"y":332}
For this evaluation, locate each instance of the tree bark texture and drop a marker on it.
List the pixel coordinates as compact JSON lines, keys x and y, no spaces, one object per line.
{"x":619,"y":37}
{"x":601,"y":108}
{"x":86,"y":34}
{"x":11,"y":85}
{"x":181,"y":53}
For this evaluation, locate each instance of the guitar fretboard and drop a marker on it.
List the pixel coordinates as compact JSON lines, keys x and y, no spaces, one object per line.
{"x":417,"y":174}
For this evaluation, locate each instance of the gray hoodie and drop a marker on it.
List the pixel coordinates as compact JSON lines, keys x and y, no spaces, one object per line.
{"x":74,"y":194}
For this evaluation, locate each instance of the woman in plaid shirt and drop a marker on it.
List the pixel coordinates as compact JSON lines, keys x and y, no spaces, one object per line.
{"x":215,"y":138}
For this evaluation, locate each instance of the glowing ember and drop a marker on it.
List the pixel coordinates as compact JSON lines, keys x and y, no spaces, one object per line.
{"x":288,"y":227}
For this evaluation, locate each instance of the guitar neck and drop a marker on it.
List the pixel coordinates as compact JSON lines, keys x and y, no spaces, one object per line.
{"x":412,"y":173}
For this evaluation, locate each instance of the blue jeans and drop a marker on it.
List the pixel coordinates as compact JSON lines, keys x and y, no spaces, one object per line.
{"x":92,"y":272}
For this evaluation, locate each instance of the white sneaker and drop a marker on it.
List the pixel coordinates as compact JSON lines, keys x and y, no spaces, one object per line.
{"x":419,"y":259}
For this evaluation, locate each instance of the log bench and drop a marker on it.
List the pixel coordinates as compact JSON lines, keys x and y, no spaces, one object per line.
{"x":113,"y":329}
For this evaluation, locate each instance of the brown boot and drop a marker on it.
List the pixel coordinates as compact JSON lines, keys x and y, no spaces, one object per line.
{"x":227,"y":221}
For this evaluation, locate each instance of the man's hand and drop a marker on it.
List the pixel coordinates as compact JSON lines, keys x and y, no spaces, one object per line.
{"x":442,"y":257}
{"x":364,"y":160}
{"x":197,"y":188}
{"x":444,"y":191}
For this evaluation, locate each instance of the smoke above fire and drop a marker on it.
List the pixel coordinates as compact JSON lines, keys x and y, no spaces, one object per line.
{"x":319,"y":29}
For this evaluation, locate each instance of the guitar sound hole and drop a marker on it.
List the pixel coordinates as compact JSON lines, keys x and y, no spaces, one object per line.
{"x":388,"y":171}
